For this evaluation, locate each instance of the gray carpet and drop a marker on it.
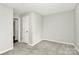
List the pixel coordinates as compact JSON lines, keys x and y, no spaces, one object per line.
{"x":42,"y":48}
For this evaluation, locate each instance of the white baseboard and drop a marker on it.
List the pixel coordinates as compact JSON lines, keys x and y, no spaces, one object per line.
{"x":6,"y":50}
{"x":59,"y":42}
{"x":35,"y":43}
{"x":76,"y":48}
{"x":52,"y":41}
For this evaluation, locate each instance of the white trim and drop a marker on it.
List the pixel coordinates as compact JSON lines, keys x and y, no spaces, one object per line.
{"x":52,"y":41}
{"x":6,"y":50}
{"x":60,"y":42}
{"x":33,"y":44}
{"x":76,"y":48}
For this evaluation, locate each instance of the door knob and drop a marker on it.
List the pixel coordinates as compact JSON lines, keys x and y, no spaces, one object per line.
{"x":26,"y":30}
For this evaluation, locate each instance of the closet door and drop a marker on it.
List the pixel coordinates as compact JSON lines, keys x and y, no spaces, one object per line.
{"x":25,"y":25}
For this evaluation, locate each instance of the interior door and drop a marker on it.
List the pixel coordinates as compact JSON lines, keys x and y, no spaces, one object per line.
{"x":25,"y":29}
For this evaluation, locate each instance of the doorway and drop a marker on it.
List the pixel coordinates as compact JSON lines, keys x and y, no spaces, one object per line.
{"x":15,"y":30}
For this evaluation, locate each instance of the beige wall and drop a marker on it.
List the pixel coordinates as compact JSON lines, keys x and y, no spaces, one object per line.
{"x":59,"y":27}
{"x":77,"y":26}
{"x":34,"y":28}
{"x":36,"y":23}
{"x":6,"y":29}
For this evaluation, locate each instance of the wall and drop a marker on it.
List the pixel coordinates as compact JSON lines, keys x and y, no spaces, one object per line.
{"x":36,"y":24}
{"x":6,"y":29}
{"x":77,"y":26}
{"x":34,"y":27}
{"x":59,"y":27}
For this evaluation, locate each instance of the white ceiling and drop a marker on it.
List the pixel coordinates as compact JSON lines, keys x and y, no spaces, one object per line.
{"x":41,"y":8}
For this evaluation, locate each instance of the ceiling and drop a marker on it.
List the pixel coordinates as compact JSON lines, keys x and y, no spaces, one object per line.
{"x":41,"y":8}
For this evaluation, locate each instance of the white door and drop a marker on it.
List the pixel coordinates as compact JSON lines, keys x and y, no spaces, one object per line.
{"x":25,"y":35}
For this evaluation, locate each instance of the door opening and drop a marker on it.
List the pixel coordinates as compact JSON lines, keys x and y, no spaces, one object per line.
{"x":15,"y":30}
